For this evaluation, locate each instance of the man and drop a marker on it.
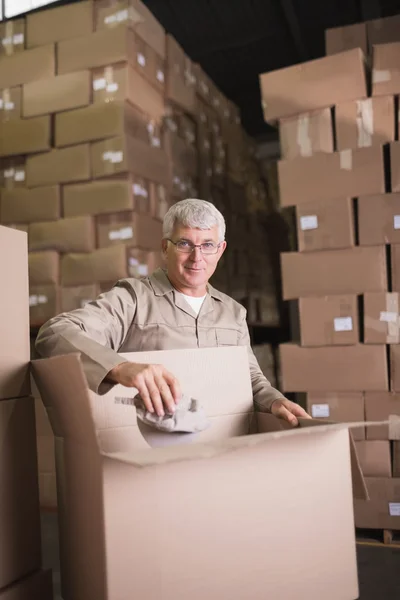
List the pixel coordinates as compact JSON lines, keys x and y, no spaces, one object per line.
{"x":175,"y":308}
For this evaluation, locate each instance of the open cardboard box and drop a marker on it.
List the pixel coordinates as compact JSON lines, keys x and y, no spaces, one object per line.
{"x":256,"y":515}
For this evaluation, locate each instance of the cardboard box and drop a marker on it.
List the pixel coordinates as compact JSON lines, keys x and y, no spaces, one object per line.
{"x":364,"y":123}
{"x":77,"y":296}
{"x":140,"y":231}
{"x":117,"y":83}
{"x":375,"y":458}
{"x":341,"y":408}
{"x":60,"y":165}
{"x":394,"y":350}
{"x":328,"y":368}
{"x":73,"y":234}
{"x":30,"y":65}
{"x":142,"y":263}
{"x":12,"y":172}
{"x":29,"y":206}
{"x":109,"y":13}
{"x":319,"y":83}
{"x":325,"y":225}
{"x":340,"y":39}
{"x":25,"y":136}
{"x":383,"y":31}
{"x":60,"y":23}
{"x":329,"y":321}
{"x":105,"y":264}
{"x":385,"y":74}
{"x":395,"y":166}
{"x":395,"y":265}
{"x":44,"y":303}
{"x":382,"y":509}
{"x":12,"y":37}
{"x":98,"y":197}
{"x":125,"y":154}
{"x":180,"y":86}
{"x":19,"y":508}
{"x":10,"y":104}
{"x":43,"y":268}
{"x":379,"y":219}
{"x":134,"y":475}
{"x":306,"y":134}
{"x":381,"y":406}
{"x":381,"y":318}
{"x":353,"y":271}
{"x":14,"y":315}
{"x":345,"y":174}
{"x":56,"y":94}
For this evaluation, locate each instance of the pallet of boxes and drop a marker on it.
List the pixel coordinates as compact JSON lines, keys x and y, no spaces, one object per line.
{"x":21,"y":575}
{"x":340,"y":170}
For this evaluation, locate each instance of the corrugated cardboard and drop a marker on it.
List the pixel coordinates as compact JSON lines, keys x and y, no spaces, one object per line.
{"x":341,"y":408}
{"x":123,"y":478}
{"x":10,"y":104}
{"x":333,"y":368}
{"x":43,"y":267}
{"x":375,"y":459}
{"x":180,"y":85}
{"x":27,"y":66}
{"x":25,"y":136}
{"x":106,"y":264}
{"x":339,"y":39}
{"x":38,"y":585}
{"x":20,"y":545}
{"x":345,"y":174}
{"x":117,"y":83}
{"x":395,"y":166}
{"x":395,"y":367}
{"x":12,"y":172}
{"x":12,"y":37}
{"x":29,"y":206}
{"x":127,"y":154}
{"x":395,"y":264}
{"x":381,"y":318}
{"x":380,"y":406}
{"x":325,"y":225}
{"x":142,"y":263}
{"x":306,"y":134}
{"x":56,"y":94}
{"x":109,"y":13}
{"x":77,"y":296}
{"x":353,"y":271}
{"x":319,"y":83}
{"x":60,"y":23}
{"x":385,"y":74}
{"x":97,"y":197}
{"x":383,"y":31}
{"x":364,"y":123}
{"x":160,"y":201}
{"x":382,"y":509}
{"x":73,"y":234}
{"x":329,"y":321}
{"x":44,"y":303}
{"x":63,"y":165}
{"x":379,"y":219}
{"x":140,"y":231}
{"x":14,"y":314}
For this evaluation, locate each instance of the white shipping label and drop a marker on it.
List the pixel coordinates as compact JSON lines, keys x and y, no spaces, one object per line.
{"x":394,"y":509}
{"x":37,"y":299}
{"x":133,"y":262}
{"x":8,"y":173}
{"x":388,"y":317}
{"x":18,"y":39}
{"x":309,"y":222}
{"x":143,"y":270}
{"x":320,"y":411}
{"x":160,"y":76}
{"x":9,"y":106}
{"x":125,"y":233}
{"x":343,"y":324}
{"x":118,"y":17}
{"x":112,"y":87}
{"x":19,"y":176}
{"x":141,"y":59}
{"x":156,"y":142}
{"x":396,"y":221}
{"x":117,"y":157}
{"x":99,"y":84}
{"x":139,"y":190}
{"x":380,"y":76}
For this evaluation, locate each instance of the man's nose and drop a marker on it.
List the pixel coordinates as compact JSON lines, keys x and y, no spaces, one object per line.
{"x":196,"y":253}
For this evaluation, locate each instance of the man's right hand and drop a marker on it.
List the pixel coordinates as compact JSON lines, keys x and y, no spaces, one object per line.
{"x":158,"y":388}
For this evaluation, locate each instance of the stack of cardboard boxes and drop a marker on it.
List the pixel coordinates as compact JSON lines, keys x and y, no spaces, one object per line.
{"x":105,"y":122}
{"x":340,"y":170}
{"x":21,"y":576}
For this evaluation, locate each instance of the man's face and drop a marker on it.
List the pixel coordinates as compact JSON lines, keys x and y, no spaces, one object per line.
{"x":190,"y":272}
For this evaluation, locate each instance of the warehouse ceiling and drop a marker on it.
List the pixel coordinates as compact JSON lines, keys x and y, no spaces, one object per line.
{"x":235,"y":40}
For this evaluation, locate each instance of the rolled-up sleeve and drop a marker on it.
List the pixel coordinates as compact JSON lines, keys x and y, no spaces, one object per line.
{"x":263,"y":392}
{"x":96,"y":332}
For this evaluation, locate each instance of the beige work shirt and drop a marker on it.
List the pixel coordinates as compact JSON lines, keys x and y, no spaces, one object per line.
{"x":144,"y":315}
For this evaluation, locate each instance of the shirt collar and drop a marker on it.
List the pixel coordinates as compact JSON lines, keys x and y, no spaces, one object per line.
{"x":161,"y":285}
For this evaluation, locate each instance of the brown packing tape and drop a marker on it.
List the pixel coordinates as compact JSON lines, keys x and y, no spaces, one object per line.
{"x":390,"y":316}
{"x":394,"y":427}
{"x":303,"y":135}
{"x":365,"y":122}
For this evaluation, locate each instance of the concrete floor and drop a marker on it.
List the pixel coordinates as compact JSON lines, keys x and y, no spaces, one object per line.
{"x":378,"y":565}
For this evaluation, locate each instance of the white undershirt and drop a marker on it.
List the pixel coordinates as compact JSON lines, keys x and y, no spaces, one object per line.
{"x":195,"y":302}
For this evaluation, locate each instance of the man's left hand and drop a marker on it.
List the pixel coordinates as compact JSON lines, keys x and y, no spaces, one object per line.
{"x":288,"y":410}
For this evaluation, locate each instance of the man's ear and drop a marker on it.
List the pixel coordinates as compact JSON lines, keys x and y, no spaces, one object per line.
{"x":222,"y":247}
{"x":164,"y":246}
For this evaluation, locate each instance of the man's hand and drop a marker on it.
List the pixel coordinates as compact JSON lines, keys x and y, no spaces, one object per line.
{"x":289,"y":411}
{"x":158,"y":388}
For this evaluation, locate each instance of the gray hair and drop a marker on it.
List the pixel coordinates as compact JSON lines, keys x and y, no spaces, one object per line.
{"x":198,"y":214}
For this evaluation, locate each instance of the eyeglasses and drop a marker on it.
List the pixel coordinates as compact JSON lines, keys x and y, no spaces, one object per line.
{"x":187,"y":247}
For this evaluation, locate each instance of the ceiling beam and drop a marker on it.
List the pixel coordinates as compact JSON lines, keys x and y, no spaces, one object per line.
{"x":294,"y":28}
{"x":370,"y":9}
